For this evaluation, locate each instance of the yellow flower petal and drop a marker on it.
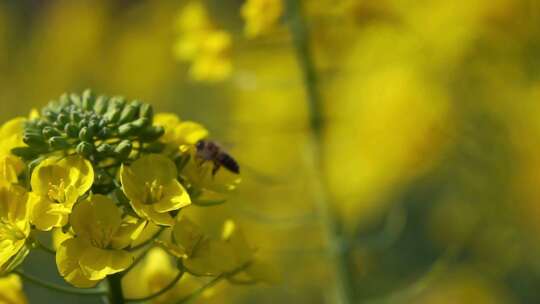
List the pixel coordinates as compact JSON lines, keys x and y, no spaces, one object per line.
{"x":67,"y":261}
{"x":151,"y":185}
{"x":14,"y":226}
{"x":97,"y":219}
{"x":174,"y":198}
{"x":97,"y":263}
{"x":11,"y":291}
{"x":186,"y":235}
{"x":43,"y":215}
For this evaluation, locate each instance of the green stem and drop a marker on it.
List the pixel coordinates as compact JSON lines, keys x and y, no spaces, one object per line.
{"x":59,"y":288}
{"x":333,"y":237}
{"x":43,"y":247}
{"x":159,"y":293}
{"x":116,"y":295}
{"x":192,"y":297}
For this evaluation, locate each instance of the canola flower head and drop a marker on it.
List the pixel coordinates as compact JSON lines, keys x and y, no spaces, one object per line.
{"x":105,"y":177}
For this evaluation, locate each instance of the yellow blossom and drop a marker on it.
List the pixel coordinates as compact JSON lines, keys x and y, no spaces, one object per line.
{"x":203,"y":255}
{"x":95,"y":251}
{"x":156,"y":272}
{"x":151,"y":185}
{"x":10,"y":168}
{"x":260,"y":16}
{"x":57,"y":184}
{"x":11,"y":290}
{"x":179,"y":134}
{"x":14,"y":226}
{"x":11,"y":137}
{"x":202,"y":44}
{"x":11,"y":133}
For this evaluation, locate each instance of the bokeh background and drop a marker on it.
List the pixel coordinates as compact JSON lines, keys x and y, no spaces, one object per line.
{"x":429,"y":151}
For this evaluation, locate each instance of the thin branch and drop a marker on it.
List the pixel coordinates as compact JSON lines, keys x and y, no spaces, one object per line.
{"x":44,"y":248}
{"x":212,"y":283}
{"x":150,"y":240}
{"x":63,"y":289}
{"x":159,"y":293}
{"x":338,"y":257}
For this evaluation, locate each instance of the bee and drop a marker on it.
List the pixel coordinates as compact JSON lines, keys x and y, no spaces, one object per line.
{"x":210,"y":151}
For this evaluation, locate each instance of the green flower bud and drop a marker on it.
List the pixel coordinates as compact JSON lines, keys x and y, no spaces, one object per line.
{"x":64,"y":100}
{"x":50,"y":115}
{"x":123,"y":149}
{"x":129,"y":113}
{"x":75,"y":99}
{"x":140,"y":122}
{"x":152,"y":133}
{"x":71,"y":130}
{"x":34,"y":139}
{"x":146,"y":111}
{"x":85,"y":148}
{"x":112,"y":115}
{"x":50,"y":132}
{"x":126,"y":129}
{"x":62,"y":119}
{"x":87,"y":100}
{"x":58,"y":142}
{"x":104,"y":132}
{"x":101,"y":105}
{"x":85,"y":134}
{"x":105,"y":149}
{"x":75,"y":116}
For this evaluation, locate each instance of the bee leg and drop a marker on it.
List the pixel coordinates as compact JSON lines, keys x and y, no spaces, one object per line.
{"x":215,"y":169}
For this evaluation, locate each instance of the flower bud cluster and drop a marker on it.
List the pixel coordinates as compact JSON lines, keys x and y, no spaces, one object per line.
{"x":95,"y":127}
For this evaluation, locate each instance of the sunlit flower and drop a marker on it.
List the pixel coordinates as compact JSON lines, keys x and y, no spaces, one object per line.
{"x":157,"y":271}
{"x":11,"y":134}
{"x":96,"y":250}
{"x":14,"y":226}
{"x":260,"y":16}
{"x":11,"y":137}
{"x":11,"y":290}
{"x":151,"y":185}
{"x":57,"y":184}
{"x":202,"y":44}
{"x":10,"y":168}
{"x":203,"y":255}
{"x":179,"y":134}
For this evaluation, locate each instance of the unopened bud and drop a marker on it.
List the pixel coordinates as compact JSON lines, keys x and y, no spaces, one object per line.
{"x":58,"y":142}
{"x":123,"y":149}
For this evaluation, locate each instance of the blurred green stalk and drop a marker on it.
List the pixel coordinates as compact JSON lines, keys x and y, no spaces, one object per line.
{"x":332,"y":235}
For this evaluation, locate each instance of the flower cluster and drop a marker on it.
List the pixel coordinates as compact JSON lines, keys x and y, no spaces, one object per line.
{"x":207,"y":47}
{"x":111,"y":178}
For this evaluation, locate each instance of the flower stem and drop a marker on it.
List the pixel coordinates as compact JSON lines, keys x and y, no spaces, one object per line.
{"x":333,"y":237}
{"x":116,"y":296}
{"x":59,"y":288}
{"x":160,"y":292}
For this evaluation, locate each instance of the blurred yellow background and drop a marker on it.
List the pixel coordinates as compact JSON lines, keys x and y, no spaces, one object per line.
{"x":430,"y":133}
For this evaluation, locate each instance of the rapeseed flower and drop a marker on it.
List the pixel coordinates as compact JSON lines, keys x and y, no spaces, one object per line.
{"x":260,"y":16}
{"x":150,"y":183}
{"x":11,"y":290}
{"x":57,"y":184}
{"x":206,"y":47}
{"x":96,"y":250}
{"x":14,"y":226}
{"x":179,"y":135}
